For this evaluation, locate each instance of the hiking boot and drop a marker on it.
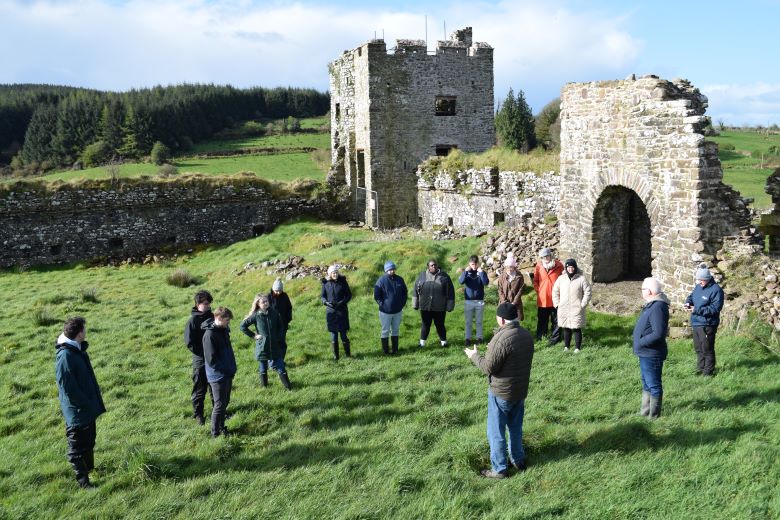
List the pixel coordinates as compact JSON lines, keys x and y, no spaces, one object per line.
{"x":468,"y":342}
{"x":520,"y":467}
{"x":480,"y":341}
{"x":489,"y":473}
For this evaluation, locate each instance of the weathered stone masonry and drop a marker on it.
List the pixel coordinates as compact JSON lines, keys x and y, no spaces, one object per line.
{"x":642,"y":189}
{"x":389,"y":112}
{"x":72,"y":223}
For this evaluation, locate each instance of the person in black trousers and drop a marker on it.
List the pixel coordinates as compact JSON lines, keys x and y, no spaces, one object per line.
{"x":434,"y":296}
{"x":220,"y":365}
{"x":193,"y":338}
{"x":80,"y":398}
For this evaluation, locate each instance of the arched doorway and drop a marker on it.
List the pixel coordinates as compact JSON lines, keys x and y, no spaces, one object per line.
{"x":621,"y":236}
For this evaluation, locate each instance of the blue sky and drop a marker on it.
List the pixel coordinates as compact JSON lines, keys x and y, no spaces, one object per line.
{"x":727,"y":49}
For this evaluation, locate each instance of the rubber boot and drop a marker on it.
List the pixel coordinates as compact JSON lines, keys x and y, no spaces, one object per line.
{"x":394,"y":342}
{"x":89,"y":458}
{"x":347,"y":352}
{"x":655,"y":407}
{"x":285,"y":380}
{"x":264,"y":380}
{"x":385,"y":346}
{"x":644,"y":408}
{"x":335,"y":346}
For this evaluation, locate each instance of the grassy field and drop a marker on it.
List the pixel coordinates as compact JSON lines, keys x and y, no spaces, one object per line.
{"x":742,"y":171}
{"x":280,"y":142}
{"x":368,"y":437}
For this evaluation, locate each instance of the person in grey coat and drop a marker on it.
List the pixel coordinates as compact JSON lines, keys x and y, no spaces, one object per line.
{"x":434,"y":296}
{"x":507,"y":364}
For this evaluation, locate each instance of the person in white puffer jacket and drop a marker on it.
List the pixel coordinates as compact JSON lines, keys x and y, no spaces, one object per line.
{"x":571,"y":295}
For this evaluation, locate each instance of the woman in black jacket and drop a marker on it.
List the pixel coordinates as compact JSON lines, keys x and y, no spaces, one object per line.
{"x":335,"y":295}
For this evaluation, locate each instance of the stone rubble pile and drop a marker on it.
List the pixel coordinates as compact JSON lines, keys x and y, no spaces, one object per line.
{"x":290,"y":268}
{"x":523,"y":240}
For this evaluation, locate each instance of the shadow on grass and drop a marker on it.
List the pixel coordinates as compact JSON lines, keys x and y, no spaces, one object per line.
{"x":636,"y":436}
{"x":755,"y":363}
{"x":738,"y":399}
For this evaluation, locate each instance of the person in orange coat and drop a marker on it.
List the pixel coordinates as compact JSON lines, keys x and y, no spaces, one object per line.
{"x":546,"y":273}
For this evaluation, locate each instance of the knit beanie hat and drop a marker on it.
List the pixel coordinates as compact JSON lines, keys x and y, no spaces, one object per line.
{"x":278,"y":285}
{"x":510,"y":261}
{"x":333,"y":269}
{"x":389,"y":265}
{"x":572,"y":262}
{"x":702,"y":273}
{"x":507,"y":311}
{"x":545,"y":252}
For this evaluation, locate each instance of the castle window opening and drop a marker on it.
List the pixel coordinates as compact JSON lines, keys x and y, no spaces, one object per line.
{"x":443,"y":150}
{"x":55,"y":249}
{"x":449,"y":221}
{"x":361,"y":168}
{"x":498,"y":218}
{"x":116,"y":243}
{"x":445,"y":105}
{"x":338,"y":110}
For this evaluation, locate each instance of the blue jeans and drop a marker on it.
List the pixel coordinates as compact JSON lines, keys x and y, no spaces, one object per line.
{"x":650,"y":369}
{"x":502,"y":415}
{"x":276,"y":364}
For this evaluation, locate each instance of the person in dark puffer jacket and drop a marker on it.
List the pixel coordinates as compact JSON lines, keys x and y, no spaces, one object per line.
{"x":705,"y":304}
{"x":507,"y":363}
{"x":335,"y":295}
{"x":650,"y":346}
{"x":193,"y":339}
{"x":390,"y":294}
{"x":434,"y":296}
{"x":80,"y":398}
{"x":268,"y":336}
{"x":280,"y":301}
{"x":220,"y":366}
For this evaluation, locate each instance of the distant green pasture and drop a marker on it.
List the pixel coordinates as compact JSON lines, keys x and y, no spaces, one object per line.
{"x":742,"y":171}
{"x":270,"y":141}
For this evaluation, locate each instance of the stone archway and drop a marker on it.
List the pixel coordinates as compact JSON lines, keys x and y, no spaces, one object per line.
{"x":621,"y":236}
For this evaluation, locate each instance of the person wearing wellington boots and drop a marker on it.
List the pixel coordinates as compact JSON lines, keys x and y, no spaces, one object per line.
{"x":571,"y":294}
{"x":193,"y":338}
{"x":335,"y":295}
{"x":268,"y":336}
{"x":220,"y":366}
{"x":80,"y":398}
{"x":475,"y":280}
{"x":650,"y":346}
{"x":390,"y":294}
{"x":280,"y":301}
{"x":705,"y":304}
{"x":434,"y":296}
{"x":507,"y":363}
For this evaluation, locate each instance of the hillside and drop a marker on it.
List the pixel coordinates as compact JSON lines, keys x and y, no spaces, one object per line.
{"x":368,"y":437}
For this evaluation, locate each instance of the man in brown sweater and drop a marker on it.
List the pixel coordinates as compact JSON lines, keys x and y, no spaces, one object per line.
{"x":507,"y":364}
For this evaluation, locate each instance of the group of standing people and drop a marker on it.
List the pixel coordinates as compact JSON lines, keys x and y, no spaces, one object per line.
{"x":563,"y":294}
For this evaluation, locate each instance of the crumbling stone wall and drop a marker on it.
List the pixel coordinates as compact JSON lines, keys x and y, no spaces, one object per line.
{"x":633,"y":148}
{"x":71,"y":223}
{"x":384,"y":118}
{"x":473,"y":201}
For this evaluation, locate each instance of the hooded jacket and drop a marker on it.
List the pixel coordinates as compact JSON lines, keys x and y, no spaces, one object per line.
{"x":651,"y":328}
{"x":475,"y":282}
{"x":507,"y":362}
{"x":707,"y":303}
{"x":335,"y":295}
{"x":269,"y":325}
{"x":544,"y":281}
{"x":283,"y":306}
{"x":218,"y":352}
{"x":79,"y":393}
{"x":390,"y":293}
{"x":193,"y":334}
{"x":512,"y":292}
{"x":571,"y":296}
{"x":433,"y":292}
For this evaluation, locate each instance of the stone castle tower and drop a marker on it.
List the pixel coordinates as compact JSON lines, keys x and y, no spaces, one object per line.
{"x":392,"y":110}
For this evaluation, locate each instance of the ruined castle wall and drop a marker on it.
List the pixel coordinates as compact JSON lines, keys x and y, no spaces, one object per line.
{"x":473,"y":201}
{"x":644,"y":135}
{"x":73,"y":223}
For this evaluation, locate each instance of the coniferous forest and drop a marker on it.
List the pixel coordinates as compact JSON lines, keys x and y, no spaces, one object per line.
{"x":46,"y":126}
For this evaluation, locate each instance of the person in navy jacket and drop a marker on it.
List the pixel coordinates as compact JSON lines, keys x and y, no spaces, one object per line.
{"x":650,"y":346}
{"x":80,"y":398}
{"x":475,"y":280}
{"x":390,"y":294}
{"x":705,"y":304}
{"x":220,"y":366}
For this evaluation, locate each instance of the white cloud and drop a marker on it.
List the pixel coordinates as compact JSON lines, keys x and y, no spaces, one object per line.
{"x":744,"y":104}
{"x":140,"y":43}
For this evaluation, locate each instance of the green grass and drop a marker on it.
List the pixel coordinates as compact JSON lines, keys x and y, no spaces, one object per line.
{"x":742,"y":171}
{"x":302,"y":140}
{"x":369,"y":437}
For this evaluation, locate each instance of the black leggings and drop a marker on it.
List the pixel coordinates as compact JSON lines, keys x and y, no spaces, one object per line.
{"x":437,"y":317}
{"x":567,"y":337}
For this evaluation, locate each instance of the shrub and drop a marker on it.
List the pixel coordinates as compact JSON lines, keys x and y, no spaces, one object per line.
{"x":727,"y":147}
{"x":95,"y":154}
{"x":89,"y":294}
{"x":43,"y":317}
{"x":161,"y":154}
{"x":181,"y":278}
{"x":548,"y":134}
{"x":167,"y":170}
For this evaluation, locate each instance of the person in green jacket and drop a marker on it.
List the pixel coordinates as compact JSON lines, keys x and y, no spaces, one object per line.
{"x":269,"y":339}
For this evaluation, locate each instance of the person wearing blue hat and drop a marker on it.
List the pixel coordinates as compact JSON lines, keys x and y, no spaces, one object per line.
{"x":705,"y":304}
{"x":390,"y":294}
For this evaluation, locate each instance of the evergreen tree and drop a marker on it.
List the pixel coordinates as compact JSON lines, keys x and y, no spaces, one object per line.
{"x":548,"y":133}
{"x":129,"y":148}
{"x":39,"y":139}
{"x":111,"y":125}
{"x":515,"y":123}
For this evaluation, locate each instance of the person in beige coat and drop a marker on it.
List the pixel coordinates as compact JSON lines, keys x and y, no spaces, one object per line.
{"x":571,"y":294}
